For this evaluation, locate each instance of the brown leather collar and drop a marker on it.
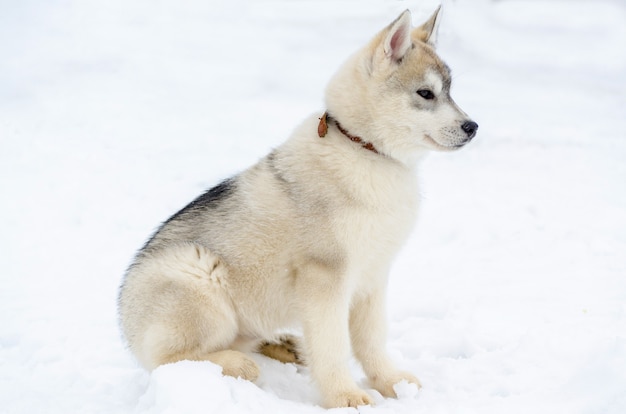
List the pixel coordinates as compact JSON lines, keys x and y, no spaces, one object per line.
{"x":322,"y":129}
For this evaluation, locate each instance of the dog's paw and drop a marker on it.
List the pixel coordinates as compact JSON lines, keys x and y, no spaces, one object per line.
{"x":286,"y":349}
{"x":235,"y":364}
{"x":244,"y":368}
{"x":352,"y":398}
{"x":384,"y":384}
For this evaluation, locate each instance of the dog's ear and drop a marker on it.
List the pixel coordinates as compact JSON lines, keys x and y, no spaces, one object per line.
{"x":427,"y":32}
{"x":398,"y":37}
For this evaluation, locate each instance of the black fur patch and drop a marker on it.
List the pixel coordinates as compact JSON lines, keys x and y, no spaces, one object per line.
{"x":210,"y":199}
{"x":214,"y":196}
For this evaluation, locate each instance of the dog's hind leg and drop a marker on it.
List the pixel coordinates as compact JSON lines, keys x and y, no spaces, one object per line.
{"x":175,"y":306}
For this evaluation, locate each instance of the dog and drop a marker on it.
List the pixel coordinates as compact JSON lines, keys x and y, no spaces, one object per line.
{"x":305,"y":238}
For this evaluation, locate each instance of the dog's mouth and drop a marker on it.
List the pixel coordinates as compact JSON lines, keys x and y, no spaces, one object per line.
{"x":442,"y":147}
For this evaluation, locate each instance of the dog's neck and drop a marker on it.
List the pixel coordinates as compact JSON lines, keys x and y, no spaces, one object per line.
{"x":322,"y":129}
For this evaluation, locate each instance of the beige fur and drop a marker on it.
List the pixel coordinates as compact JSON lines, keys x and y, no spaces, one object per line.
{"x":306,"y":237}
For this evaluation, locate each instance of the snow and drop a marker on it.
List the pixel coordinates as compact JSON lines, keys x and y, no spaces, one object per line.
{"x":510,"y":295}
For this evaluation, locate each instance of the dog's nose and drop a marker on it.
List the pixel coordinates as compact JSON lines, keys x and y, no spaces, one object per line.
{"x":470,"y":128}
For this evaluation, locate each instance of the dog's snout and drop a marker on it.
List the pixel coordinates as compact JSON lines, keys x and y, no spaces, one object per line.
{"x":470,"y":128}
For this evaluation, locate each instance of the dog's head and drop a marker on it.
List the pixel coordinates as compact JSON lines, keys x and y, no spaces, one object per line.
{"x":396,"y":93}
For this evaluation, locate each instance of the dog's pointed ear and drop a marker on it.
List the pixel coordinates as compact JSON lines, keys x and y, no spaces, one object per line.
{"x":427,"y":32}
{"x":398,"y":38}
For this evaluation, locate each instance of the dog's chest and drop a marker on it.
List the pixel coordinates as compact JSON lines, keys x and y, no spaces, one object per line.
{"x":373,"y":233}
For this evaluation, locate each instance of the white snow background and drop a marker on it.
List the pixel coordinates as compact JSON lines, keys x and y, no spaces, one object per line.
{"x":510,"y":297}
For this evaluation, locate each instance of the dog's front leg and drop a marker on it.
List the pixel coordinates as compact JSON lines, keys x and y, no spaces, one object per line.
{"x":325,"y":305}
{"x":368,"y":330}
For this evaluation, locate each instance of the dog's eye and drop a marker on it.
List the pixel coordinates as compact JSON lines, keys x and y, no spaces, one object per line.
{"x":426,"y":94}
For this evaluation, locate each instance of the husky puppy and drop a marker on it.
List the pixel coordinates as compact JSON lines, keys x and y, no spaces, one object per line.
{"x":304,"y":238}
